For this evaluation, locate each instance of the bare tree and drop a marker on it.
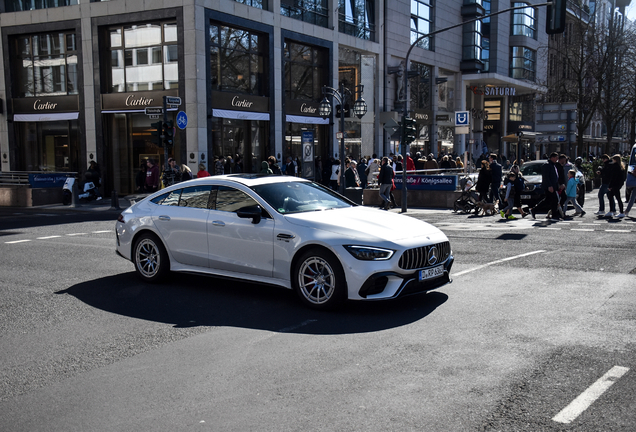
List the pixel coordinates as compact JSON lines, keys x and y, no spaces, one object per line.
{"x":574,"y":67}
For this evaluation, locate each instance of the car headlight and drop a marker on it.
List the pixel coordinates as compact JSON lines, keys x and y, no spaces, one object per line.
{"x":368,"y":253}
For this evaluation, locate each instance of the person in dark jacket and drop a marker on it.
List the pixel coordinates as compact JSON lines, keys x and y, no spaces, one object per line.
{"x":617,"y":180}
{"x":495,"y":184}
{"x":550,"y":185}
{"x":140,"y":179}
{"x":385,"y":180}
{"x":484,"y":179}
{"x":606,"y":174}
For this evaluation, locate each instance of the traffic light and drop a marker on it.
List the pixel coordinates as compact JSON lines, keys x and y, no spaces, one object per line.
{"x":555,"y":22}
{"x":155,"y":134}
{"x":168,"y":133}
{"x":409,"y":130}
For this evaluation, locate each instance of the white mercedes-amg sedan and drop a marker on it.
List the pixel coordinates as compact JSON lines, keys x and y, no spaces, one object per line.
{"x":283,"y":231}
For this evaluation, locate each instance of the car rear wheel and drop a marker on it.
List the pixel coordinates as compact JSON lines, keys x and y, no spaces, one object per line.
{"x":319,"y":280}
{"x":150,"y":258}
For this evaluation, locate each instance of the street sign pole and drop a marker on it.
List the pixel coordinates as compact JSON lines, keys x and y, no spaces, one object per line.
{"x":165,"y":119}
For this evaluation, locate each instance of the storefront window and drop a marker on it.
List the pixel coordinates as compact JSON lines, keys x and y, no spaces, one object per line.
{"x":130,"y":143}
{"x":243,"y":138}
{"x":305,"y":71}
{"x":48,"y":146}
{"x":143,"y":57}
{"x":45,"y":65}
{"x":237,"y":60}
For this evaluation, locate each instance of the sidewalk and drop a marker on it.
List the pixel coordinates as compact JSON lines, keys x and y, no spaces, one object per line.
{"x":104,"y":204}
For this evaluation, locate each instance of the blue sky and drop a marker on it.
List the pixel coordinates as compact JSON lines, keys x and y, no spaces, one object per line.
{"x":630,"y":11}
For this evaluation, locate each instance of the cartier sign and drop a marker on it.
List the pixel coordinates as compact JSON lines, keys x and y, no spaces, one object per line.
{"x":51,"y":104}
{"x":239,"y":102}
{"x":300,"y":107}
{"x":134,"y":101}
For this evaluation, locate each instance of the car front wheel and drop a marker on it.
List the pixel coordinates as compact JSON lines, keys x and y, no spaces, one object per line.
{"x":150,"y":258}
{"x":319,"y":280}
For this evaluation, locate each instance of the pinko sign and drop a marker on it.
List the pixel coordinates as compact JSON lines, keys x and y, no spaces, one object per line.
{"x":424,"y":182}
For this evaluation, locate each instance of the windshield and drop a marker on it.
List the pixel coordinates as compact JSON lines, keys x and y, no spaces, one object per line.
{"x":530,"y":169}
{"x":298,"y":197}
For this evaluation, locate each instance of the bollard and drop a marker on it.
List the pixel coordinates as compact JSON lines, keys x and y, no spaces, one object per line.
{"x":75,"y":197}
{"x":114,"y":200}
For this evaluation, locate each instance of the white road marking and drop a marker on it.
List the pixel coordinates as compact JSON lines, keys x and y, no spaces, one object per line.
{"x":17,"y":241}
{"x":100,"y":232}
{"x":589,"y":396}
{"x":620,"y":231}
{"x":582,"y":229}
{"x":548,"y":228}
{"x":76,"y":234}
{"x":496,"y":262}
{"x":49,"y":237}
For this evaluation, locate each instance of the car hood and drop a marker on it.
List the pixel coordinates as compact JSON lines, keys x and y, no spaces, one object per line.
{"x":364,"y":223}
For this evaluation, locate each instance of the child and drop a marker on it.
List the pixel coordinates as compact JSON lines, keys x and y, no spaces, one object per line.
{"x":510,"y":197}
{"x":570,"y":192}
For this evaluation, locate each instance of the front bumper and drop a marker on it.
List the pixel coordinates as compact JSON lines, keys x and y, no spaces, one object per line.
{"x":388,"y":285}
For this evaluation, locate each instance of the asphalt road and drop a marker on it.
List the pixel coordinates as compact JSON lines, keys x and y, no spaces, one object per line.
{"x":536,"y":316}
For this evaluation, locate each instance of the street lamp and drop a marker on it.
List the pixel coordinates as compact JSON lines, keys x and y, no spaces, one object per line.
{"x":359,"y":110}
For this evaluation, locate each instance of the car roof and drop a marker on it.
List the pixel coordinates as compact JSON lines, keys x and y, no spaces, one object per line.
{"x":248,"y":180}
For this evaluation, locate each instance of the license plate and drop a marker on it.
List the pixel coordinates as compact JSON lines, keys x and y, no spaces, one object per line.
{"x":431,"y":273}
{"x":526,"y":197}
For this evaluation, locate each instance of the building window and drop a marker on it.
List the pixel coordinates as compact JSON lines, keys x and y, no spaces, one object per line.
{"x":485,"y":38}
{"x":524,"y":22}
{"x":260,"y":4}
{"x":521,"y":108}
{"x":46,"y":64}
{"x":143,"y":57}
{"x":311,"y":11}
{"x":305,"y":71}
{"x":26,"y":5}
{"x":523,"y":63}
{"x":422,"y":23}
{"x":420,"y":86}
{"x":237,"y":60}
{"x":471,"y":41}
{"x":357,"y":18}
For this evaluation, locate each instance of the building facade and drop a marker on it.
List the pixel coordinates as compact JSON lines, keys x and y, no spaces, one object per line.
{"x":78,"y":76}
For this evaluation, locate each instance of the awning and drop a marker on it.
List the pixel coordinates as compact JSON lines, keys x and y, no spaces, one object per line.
{"x":242,"y":115}
{"x":306,"y":119}
{"x":45,"y":117}
{"x":513,"y":138}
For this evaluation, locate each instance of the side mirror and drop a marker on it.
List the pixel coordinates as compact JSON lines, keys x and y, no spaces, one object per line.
{"x":250,"y":212}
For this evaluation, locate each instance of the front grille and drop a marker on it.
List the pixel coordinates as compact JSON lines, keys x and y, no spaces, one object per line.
{"x":418,"y":257}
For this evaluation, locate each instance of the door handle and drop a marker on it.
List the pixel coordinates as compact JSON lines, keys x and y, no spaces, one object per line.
{"x":218,"y":223}
{"x":164,"y":218}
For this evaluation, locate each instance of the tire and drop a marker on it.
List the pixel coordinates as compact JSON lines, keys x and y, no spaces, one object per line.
{"x":66,"y":197}
{"x":319,"y":280}
{"x":150,"y":258}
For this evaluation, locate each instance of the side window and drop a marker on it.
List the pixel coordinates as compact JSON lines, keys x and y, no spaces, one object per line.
{"x":172,"y":199}
{"x":230,"y":200}
{"x":158,"y":200}
{"x":195,"y":196}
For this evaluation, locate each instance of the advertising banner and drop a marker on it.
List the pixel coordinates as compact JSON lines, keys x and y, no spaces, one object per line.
{"x":48,"y":180}
{"x":430,"y":182}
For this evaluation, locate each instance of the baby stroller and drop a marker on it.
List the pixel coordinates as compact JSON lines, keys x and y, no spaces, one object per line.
{"x":466,"y":202}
